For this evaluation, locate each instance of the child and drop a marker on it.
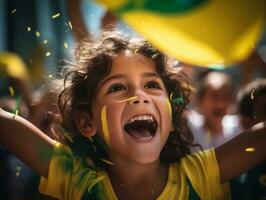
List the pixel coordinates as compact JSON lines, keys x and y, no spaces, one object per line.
{"x":251,"y":106}
{"x":211,"y":124}
{"x":128,"y":140}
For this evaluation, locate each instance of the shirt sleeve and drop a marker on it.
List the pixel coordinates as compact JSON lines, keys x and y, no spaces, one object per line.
{"x":59,"y":174}
{"x":202,"y":170}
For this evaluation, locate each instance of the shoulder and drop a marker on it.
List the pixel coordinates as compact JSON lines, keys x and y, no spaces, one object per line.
{"x":201,"y":169}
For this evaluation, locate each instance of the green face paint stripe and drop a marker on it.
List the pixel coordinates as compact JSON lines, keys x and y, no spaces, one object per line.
{"x":105,"y":126}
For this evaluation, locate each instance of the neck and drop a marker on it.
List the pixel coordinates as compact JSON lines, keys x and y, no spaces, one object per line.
{"x":214,"y":128}
{"x":128,"y":177}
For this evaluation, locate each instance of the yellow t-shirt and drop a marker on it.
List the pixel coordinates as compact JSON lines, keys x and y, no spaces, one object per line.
{"x":70,"y":179}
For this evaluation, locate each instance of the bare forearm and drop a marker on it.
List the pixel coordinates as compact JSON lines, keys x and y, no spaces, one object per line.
{"x":242,"y":153}
{"x":26,"y":141}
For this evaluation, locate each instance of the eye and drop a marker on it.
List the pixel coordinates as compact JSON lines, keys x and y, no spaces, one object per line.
{"x":152,"y":85}
{"x":115,"y":88}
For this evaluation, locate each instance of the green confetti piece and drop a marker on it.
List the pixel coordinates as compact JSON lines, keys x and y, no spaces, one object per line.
{"x":178,"y":100}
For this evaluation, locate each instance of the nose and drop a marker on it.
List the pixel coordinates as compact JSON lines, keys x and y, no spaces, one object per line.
{"x":141,"y":97}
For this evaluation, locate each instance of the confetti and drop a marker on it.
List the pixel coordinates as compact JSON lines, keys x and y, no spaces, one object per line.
{"x":18,"y":170}
{"x":47,"y":54}
{"x":188,"y":87}
{"x":28,"y":28}
{"x":171,"y":96}
{"x":136,"y":51}
{"x":252,"y":94}
{"x":178,"y":100}
{"x":45,"y":41}
{"x":65,"y":45}
{"x":50,"y":76}
{"x":250,"y":149}
{"x":37,"y":33}
{"x":16,"y":114}
{"x":89,"y":162}
{"x":70,"y":25}
{"x":107,"y":161}
{"x":56,"y":15}
{"x":11,"y":91}
{"x":15,"y":110}
{"x":13,"y":11}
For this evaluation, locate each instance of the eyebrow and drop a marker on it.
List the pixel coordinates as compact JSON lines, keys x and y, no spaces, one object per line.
{"x":123,"y":76}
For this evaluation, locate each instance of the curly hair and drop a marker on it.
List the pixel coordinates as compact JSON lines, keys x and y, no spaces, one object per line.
{"x":93,"y":64}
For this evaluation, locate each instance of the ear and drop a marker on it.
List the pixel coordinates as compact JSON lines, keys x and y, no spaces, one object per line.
{"x":85,"y":124}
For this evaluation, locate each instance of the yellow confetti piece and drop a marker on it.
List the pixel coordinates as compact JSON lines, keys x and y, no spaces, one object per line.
{"x":136,"y":51}
{"x":95,"y":181}
{"x":50,"y":76}
{"x":107,"y":161}
{"x":65,"y":45}
{"x":18,"y":170}
{"x":250,"y":149}
{"x":11,"y":90}
{"x":13,"y":11}
{"x":252,"y":94}
{"x":171,"y":96}
{"x":47,"y":54}
{"x":70,"y":25}
{"x":45,"y":41}
{"x":188,"y":87}
{"x":89,"y":162}
{"x":37,"y":33}
{"x":56,"y":15}
{"x":28,"y":28}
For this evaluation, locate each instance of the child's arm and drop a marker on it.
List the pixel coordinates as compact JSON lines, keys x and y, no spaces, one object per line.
{"x":26,"y":141}
{"x":242,"y":153}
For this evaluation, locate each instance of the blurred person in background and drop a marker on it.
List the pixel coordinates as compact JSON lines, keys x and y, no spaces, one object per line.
{"x":251,"y":106}
{"x":211,"y":122}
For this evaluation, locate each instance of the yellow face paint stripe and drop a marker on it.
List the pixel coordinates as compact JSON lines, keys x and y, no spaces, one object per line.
{"x":105,"y":126}
{"x":128,"y":99}
{"x":169,"y":107}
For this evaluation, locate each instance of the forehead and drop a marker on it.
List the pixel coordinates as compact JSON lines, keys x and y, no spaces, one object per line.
{"x":130,"y":62}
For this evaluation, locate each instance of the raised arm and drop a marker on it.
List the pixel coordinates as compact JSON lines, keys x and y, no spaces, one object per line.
{"x":27,"y":142}
{"x":242,"y":153}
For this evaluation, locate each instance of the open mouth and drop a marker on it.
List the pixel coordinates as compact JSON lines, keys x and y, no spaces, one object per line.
{"x":141,"y":127}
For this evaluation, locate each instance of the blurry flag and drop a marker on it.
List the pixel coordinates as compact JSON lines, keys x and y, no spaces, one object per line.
{"x":198,"y":32}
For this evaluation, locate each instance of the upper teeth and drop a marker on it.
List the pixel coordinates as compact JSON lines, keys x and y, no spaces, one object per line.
{"x":141,"y":117}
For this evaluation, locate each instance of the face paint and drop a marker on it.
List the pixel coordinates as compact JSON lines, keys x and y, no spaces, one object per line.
{"x":169,"y":107}
{"x":105,"y":126}
{"x":129,"y":99}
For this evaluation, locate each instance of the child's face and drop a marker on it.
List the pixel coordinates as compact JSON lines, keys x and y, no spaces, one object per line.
{"x":137,"y":128}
